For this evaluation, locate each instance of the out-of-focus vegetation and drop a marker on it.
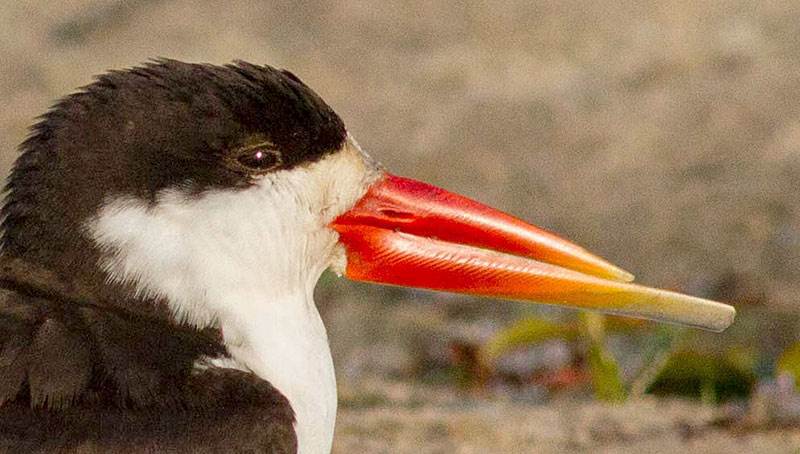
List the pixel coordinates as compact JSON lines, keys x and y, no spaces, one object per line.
{"x":664,"y":136}
{"x":789,"y":363}
{"x":667,"y":369}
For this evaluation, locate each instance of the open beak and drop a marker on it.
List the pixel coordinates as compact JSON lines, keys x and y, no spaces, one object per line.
{"x":408,"y":233}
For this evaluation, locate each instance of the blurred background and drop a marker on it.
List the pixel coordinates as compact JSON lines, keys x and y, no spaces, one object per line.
{"x":662,"y":135}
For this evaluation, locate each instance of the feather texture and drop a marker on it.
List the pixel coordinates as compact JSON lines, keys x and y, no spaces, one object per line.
{"x":77,"y":377}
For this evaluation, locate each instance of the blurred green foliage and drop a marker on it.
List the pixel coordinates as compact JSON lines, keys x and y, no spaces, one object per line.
{"x":589,"y":331}
{"x":668,"y":366}
{"x":710,"y":378}
{"x":605,"y":372}
{"x":789,"y":363}
{"x":525,"y":332}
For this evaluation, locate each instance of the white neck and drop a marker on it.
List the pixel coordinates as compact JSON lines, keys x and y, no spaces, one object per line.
{"x":247,"y":261}
{"x":288,"y":346}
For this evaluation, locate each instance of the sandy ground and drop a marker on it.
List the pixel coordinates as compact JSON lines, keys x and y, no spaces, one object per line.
{"x":398,"y":418}
{"x":663,"y":135}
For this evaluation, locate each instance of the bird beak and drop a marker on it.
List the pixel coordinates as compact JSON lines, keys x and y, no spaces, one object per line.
{"x":408,"y":233}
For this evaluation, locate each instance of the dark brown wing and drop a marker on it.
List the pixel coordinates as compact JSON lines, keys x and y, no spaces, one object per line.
{"x":76,"y":377}
{"x":221,"y":411}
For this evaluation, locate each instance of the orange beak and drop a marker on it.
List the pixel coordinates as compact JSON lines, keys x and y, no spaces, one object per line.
{"x":408,"y":233}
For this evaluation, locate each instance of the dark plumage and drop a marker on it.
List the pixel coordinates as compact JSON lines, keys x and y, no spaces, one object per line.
{"x":79,"y":377}
{"x":87,"y":365}
{"x":136,"y":132}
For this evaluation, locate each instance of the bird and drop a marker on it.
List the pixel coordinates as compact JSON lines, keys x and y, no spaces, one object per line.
{"x":163,"y":228}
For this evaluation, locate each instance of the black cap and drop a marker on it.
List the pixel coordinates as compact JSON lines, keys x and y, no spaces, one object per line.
{"x":167,"y":124}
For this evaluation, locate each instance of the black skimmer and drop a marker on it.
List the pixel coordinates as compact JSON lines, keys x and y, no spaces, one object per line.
{"x":163,"y":230}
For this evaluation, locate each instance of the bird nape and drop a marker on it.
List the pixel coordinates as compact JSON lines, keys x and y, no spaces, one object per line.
{"x":163,"y":231}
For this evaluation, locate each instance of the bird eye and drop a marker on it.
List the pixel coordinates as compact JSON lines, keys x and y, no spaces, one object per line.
{"x":258,"y":159}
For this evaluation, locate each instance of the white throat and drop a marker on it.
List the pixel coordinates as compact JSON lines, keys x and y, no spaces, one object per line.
{"x":247,"y":261}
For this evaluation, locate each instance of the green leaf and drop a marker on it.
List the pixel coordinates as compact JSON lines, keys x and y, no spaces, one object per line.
{"x":606,"y":376}
{"x":526,"y":332}
{"x":789,"y":363}
{"x":711,"y":378}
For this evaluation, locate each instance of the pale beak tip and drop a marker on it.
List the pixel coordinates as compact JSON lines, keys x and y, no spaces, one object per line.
{"x":727,"y":315}
{"x":620,"y":275}
{"x":691,"y":311}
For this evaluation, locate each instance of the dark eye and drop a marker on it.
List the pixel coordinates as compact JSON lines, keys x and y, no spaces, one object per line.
{"x":259,"y":159}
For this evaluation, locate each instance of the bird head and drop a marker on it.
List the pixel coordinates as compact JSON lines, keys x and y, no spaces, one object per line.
{"x":185,"y":184}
